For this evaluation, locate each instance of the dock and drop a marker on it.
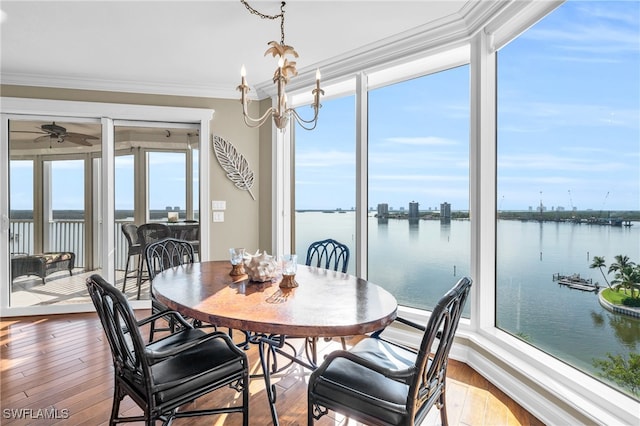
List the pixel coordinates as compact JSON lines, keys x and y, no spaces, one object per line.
{"x":574,"y":281}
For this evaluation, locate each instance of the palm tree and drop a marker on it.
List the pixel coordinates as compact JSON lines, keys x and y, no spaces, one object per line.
{"x":624,"y":273}
{"x":598,"y":262}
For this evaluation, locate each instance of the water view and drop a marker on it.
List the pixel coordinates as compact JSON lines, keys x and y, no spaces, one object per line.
{"x":418,"y":262}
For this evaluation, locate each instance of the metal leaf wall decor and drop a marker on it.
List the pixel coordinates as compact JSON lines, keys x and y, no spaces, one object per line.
{"x":234,"y":164}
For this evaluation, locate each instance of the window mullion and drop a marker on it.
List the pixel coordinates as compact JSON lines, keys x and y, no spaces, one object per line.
{"x":362,"y":173}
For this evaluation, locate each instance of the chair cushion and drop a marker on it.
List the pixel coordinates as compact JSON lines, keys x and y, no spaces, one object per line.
{"x":206,"y":365}
{"x":347,"y":384}
{"x":52,"y":257}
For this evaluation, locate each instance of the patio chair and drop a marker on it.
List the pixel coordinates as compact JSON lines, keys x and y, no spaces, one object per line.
{"x":380,"y":383}
{"x":162,"y":376}
{"x":134,"y":248}
{"x":149,"y":233}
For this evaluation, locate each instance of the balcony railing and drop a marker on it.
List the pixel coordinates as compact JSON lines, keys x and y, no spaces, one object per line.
{"x":64,"y":235}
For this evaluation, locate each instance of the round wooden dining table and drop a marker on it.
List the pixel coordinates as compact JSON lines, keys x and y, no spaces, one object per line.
{"x":325,"y":304}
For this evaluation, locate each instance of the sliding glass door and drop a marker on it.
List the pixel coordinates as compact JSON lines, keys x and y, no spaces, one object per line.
{"x":51,"y":213}
{"x":56,"y":201}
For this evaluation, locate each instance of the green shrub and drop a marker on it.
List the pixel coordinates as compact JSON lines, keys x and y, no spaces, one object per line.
{"x":631,"y":301}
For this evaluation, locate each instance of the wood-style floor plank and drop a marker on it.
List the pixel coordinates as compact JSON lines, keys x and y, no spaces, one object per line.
{"x":62,"y":362}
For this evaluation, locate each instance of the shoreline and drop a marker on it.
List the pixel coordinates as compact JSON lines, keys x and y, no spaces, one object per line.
{"x":618,"y":309}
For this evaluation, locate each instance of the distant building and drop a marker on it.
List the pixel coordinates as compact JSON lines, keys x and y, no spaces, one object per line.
{"x":383,"y":210}
{"x":383,"y":213}
{"x":445,"y":211}
{"x":414,"y":211}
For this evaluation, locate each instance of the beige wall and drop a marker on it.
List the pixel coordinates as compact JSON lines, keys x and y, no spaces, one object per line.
{"x":247,"y":222}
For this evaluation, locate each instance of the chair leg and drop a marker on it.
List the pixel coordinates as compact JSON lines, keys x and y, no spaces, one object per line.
{"x":245,"y":402}
{"x":126,"y":273}
{"x":115,"y":407}
{"x":139,"y":281}
{"x":443,"y":408}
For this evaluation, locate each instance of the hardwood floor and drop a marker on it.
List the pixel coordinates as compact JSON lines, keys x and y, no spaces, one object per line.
{"x":60,"y":366}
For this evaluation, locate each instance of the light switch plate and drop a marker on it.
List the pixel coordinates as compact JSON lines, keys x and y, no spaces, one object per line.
{"x":218,"y":205}
{"x":218,"y":216}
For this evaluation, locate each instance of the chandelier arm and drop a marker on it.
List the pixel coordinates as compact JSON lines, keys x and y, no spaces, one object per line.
{"x":301,"y":121}
{"x":256,"y":122}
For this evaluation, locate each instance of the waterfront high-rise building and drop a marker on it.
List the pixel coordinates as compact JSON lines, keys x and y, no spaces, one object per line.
{"x":383,"y":210}
{"x":445,"y":211}
{"x":414,"y":210}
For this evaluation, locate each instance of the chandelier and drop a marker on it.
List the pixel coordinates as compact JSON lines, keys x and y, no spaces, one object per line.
{"x":284,"y":72}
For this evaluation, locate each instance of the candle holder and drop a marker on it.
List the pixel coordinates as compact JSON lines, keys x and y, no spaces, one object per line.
{"x":237,"y":261}
{"x":289,"y":268}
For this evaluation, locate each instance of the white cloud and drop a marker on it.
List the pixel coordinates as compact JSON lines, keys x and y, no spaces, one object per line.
{"x":422,"y":141}
{"x":325,"y":159}
{"x":554,"y":162}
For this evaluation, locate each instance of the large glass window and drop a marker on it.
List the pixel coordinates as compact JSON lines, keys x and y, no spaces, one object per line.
{"x":325,"y":187}
{"x":569,"y":185}
{"x":167,"y":184}
{"x":418,"y":219}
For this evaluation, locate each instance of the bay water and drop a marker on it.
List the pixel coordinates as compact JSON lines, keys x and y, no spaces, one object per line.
{"x":418,"y":262}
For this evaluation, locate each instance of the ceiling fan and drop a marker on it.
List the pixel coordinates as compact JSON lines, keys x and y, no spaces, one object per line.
{"x":53,"y":132}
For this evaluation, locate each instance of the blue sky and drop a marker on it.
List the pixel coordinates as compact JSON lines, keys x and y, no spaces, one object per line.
{"x":568,"y":119}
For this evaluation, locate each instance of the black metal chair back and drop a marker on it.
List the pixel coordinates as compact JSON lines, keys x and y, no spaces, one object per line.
{"x":328,"y":254}
{"x":164,"y":375}
{"x":380,"y":383}
{"x":167,"y":253}
{"x":159,"y":256}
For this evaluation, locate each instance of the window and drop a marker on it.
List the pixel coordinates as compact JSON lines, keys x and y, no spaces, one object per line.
{"x":568,"y":180}
{"x":325,"y":179}
{"x":166,"y":182}
{"x":418,"y":222}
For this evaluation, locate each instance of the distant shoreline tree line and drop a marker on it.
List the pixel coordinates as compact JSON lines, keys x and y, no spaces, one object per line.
{"x":582,"y":216}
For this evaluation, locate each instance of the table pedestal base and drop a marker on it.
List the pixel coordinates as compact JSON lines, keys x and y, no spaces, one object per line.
{"x":268,"y":347}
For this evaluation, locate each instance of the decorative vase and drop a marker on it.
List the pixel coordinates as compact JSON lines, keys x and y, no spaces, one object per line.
{"x":289,"y":269}
{"x":237,"y":261}
{"x":260,"y":267}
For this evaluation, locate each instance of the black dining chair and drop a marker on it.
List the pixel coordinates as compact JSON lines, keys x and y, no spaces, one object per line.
{"x":159,"y":256}
{"x":381,"y":383}
{"x":162,"y":376}
{"x":327,"y":254}
{"x":149,"y":233}
{"x":134,"y":248}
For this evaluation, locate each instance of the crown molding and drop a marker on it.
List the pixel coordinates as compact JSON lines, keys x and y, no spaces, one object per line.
{"x":450,"y":31}
{"x":67,"y":82}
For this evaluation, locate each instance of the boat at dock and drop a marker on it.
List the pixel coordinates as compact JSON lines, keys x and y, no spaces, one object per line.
{"x":576,"y":282}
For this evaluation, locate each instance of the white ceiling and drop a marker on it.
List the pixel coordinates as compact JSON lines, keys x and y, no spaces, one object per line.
{"x":196,"y":48}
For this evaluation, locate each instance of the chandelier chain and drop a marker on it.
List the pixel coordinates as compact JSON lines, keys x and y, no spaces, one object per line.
{"x":271,"y":17}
